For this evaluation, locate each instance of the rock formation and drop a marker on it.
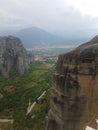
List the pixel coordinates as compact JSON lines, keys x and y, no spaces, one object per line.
{"x":13,"y":56}
{"x":74,"y":91}
{"x":30,"y":56}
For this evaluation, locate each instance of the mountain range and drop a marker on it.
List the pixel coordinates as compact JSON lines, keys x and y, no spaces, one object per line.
{"x":37,"y":37}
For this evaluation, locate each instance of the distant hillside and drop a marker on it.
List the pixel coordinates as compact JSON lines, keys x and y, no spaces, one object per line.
{"x":34,"y":36}
{"x":37,"y":37}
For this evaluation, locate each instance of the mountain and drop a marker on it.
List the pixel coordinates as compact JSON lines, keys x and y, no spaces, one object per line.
{"x":32,"y":37}
{"x":38,"y":37}
{"x":74,"y":92}
{"x":13,"y":56}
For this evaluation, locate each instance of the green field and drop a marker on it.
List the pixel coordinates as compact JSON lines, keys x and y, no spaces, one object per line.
{"x":16,"y":91}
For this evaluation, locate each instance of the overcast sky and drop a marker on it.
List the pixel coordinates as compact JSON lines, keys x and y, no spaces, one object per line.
{"x":52,"y":15}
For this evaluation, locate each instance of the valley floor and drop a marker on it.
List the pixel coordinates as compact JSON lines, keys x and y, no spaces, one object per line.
{"x":16,"y":92}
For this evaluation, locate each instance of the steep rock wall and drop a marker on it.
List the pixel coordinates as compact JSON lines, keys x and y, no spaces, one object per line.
{"x":74,"y":92}
{"x":13,"y":56}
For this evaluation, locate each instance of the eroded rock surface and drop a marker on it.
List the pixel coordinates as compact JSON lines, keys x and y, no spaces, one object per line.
{"x":13,"y":56}
{"x":74,"y":92}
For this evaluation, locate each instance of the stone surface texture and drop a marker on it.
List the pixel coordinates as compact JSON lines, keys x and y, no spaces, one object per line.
{"x":13,"y":56}
{"x":74,"y":91}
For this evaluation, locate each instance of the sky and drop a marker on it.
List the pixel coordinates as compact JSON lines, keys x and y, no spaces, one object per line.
{"x":51,"y":15}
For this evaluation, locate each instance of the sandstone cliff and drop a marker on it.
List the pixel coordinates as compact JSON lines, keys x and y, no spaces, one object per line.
{"x":74,"y":92}
{"x":13,"y":56}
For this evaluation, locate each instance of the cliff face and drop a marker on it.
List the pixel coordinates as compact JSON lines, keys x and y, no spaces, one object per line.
{"x":13,"y":56}
{"x":74,"y":92}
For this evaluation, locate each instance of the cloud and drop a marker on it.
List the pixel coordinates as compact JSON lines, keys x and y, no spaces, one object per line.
{"x":87,"y":7}
{"x":52,"y":15}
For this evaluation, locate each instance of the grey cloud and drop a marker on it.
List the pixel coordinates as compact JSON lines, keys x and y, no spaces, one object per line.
{"x":51,"y":15}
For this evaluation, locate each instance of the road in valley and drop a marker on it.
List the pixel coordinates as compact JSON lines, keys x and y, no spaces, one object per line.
{"x":31,"y":106}
{"x":6,"y":121}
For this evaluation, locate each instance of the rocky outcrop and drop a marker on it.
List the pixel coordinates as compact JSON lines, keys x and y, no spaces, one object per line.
{"x":13,"y":56}
{"x":74,"y":92}
{"x":30,"y":57}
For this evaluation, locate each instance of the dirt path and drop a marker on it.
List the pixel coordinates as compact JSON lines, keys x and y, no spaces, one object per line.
{"x":6,"y":121}
{"x":31,"y":106}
